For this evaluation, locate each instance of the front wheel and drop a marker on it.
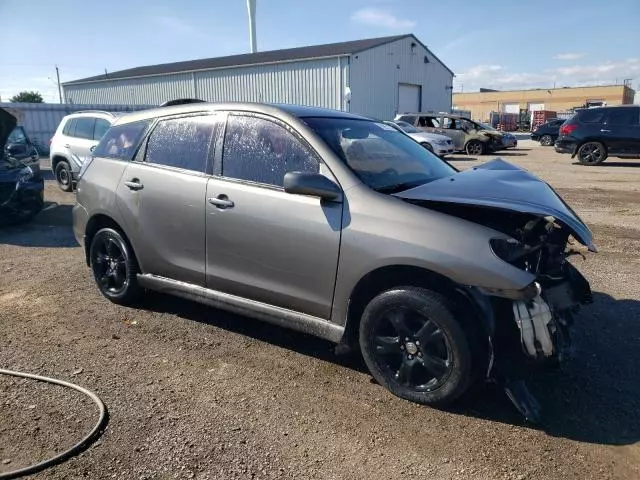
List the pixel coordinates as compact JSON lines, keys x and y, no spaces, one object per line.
{"x":592,"y":153}
{"x":546,"y":140}
{"x":416,"y":347}
{"x":428,"y":146}
{"x":114,"y":267}
{"x":474,"y":147}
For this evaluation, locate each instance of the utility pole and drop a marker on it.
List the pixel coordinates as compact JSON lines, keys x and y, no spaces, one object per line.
{"x":58,"y":78}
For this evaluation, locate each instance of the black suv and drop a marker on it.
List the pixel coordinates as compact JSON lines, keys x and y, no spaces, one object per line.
{"x":547,"y":132}
{"x":594,"y":134}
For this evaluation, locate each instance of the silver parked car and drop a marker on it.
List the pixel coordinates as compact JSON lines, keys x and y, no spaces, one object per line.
{"x":437,"y":144}
{"x":73,"y":142}
{"x":342,"y":227}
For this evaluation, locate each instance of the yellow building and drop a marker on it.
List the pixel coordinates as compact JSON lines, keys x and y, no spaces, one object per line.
{"x":555,"y":99}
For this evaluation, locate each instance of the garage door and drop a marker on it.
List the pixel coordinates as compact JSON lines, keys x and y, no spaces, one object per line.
{"x":409,"y":98}
{"x":511,"y":108}
{"x":534,"y":107}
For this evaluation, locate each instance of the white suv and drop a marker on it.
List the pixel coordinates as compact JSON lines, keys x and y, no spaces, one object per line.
{"x":74,"y":140}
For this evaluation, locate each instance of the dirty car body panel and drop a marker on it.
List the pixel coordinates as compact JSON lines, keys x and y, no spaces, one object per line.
{"x":495,"y":235}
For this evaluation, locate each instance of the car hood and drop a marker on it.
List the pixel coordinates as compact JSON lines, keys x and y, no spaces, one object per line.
{"x":432,"y":137}
{"x":501,"y":185}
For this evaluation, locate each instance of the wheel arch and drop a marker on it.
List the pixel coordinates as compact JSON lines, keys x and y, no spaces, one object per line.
{"x":98,"y":222}
{"x":390,"y":276}
{"x":56,"y":159}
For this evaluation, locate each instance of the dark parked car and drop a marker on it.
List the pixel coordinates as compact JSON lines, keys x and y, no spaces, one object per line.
{"x":342,"y":227}
{"x":21,"y":185}
{"x":547,"y":133}
{"x":594,"y":134}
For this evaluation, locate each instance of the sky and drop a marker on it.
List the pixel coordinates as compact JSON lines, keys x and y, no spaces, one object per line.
{"x":501,"y":44}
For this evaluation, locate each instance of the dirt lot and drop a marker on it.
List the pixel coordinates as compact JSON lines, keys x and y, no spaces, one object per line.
{"x":198,"y":393}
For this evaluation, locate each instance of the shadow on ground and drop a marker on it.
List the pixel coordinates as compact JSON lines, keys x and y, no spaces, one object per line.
{"x":616,"y":163}
{"x":50,"y":228}
{"x":594,"y":398}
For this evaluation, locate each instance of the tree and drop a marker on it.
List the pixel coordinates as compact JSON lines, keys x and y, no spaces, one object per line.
{"x":27,"y":97}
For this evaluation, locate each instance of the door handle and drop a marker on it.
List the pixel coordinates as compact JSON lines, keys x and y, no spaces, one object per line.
{"x":221,"y":202}
{"x":67,"y":146}
{"x":134,"y":184}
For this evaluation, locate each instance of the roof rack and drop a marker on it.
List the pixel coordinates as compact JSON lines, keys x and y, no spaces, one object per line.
{"x":181,"y":101}
{"x":113,"y":114}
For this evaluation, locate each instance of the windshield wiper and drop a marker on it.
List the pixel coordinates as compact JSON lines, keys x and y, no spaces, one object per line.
{"x":400,"y":187}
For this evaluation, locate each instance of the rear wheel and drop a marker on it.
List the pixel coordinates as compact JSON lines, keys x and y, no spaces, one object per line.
{"x":415,"y":346}
{"x":592,"y":153}
{"x":546,"y":140}
{"x":428,"y":146}
{"x":64,"y":176}
{"x":474,"y":147}
{"x":114,"y":267}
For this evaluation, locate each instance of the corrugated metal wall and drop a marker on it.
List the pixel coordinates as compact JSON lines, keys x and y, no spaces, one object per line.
{"x":41,"y":120}
{"x":376,"y":73}
{"x":309,"y":82}
{"x":133,"y":91}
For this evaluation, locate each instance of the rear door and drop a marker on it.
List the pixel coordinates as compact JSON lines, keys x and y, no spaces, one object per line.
{"x":263,"y":243}
{"x":82,"y":142}
{"x":623,"y":125}
{"x":162,"y":197}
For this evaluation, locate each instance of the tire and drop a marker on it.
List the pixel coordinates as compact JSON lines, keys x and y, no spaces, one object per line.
{"x":64,"y":176}
{"x":436,"y":372}
{"x":474,"y":147}
{"x":114,"y":267}
{"x":428,"y":146}
{"x":592,"y":153}
{"x":546,"y":140}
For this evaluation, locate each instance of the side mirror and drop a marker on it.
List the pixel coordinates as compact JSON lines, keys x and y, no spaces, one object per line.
{"x":93,"y":147}
{"x":16,"y":149}
{"x":312,"y":184}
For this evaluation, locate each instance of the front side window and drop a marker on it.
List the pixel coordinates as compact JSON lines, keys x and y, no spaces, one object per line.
{"x":100,"y":128}
{"x":623,"y":116}
{"x":262,"y":151}
{"x":84,"y":128}
{"x":17,"y":135}
{"x":429,"y":122}
{"x":121,"y":141}
{"x":383,"y":158}
{"x":181,"y":143}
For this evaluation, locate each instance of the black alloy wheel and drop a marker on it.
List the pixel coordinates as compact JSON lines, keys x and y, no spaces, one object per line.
{"x":114,"y":267}
{"x":592,"y":153}
{"x":546,"y":140}
{"x":64,"y":176}
{"x":474,"y":147}
{"x":415,"y":346}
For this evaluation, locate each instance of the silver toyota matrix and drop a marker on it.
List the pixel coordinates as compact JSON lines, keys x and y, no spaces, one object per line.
{"x":342,"y":227}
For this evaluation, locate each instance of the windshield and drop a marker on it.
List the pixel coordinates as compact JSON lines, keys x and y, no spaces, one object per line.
{"x":407,"y":127}
{"x":383,"y":158}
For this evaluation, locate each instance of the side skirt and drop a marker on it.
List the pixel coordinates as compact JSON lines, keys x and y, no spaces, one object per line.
{"x":251,"y":308}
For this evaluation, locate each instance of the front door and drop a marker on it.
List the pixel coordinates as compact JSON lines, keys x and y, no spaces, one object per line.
{"x":162,"y":196}
{"x":453,"y":128}
{"x":263,"y":243}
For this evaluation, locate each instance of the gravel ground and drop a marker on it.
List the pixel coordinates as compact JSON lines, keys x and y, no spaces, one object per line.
{"x":198,"y":393}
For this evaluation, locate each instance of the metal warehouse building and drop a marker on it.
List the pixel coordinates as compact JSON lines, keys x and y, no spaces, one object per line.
{"x":377,"y":77}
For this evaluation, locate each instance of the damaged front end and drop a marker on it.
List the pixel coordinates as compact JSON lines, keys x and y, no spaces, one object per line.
{"x":539,"y":234}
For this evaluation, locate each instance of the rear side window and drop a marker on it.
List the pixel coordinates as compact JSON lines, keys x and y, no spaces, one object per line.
{"x":262,"y":151}
{"x":181,"y":143}
{"x":70,"y":127}
{"x":84,"y":128}
{"x":429,"y":122}
{"x":121,"y":142}
{"x":623,"y":116}
{"x":408,"y":118}
{"x":592,"y":116}
{"x":100,"y":128}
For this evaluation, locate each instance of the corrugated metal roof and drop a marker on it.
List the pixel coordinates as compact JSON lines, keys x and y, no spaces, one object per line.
{"x":313,"y":51}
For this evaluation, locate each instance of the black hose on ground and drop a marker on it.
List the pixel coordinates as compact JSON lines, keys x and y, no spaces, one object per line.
{"x":78,"y":447}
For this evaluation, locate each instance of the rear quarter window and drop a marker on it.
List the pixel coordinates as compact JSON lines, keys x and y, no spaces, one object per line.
{"x":122,"y":141}
{"x":592,"y":116}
